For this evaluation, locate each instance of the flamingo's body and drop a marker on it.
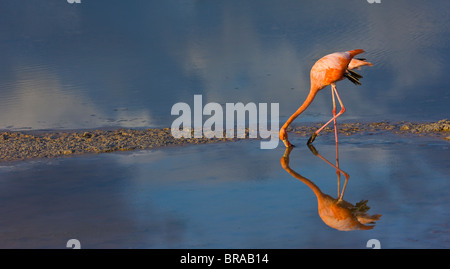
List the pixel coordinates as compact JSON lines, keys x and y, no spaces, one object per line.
{"x":327,"y":71}
{"x":336,"y":213}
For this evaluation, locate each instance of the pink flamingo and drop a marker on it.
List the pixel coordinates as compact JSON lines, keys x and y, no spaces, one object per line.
{"x":327,"y":71}
{"x":335,"y":212}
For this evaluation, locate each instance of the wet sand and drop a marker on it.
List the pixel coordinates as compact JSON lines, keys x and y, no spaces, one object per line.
{"x":22,"y":145}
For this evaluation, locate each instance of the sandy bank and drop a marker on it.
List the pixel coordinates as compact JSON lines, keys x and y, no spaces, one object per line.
{"x":15,"y":145}
{"x":440,"y":128}
{"x":37,"y":144}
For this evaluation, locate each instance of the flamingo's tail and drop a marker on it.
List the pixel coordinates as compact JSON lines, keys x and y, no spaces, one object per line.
{"x":353,"y":76}
{"x":355,"y":52}
{"x":355,"y":63}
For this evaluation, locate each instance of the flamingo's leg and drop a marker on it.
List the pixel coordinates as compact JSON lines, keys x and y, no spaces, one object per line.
{"x":334,"y":114}
{"x":340,"y":195}
{"x":314,"y":135}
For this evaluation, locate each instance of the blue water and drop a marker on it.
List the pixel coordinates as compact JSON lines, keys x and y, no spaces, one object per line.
{"x":125,"y":63}
{"x":230,"y":195}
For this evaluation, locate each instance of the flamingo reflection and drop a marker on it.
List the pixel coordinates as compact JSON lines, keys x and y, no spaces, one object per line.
{"x":336,"y":213}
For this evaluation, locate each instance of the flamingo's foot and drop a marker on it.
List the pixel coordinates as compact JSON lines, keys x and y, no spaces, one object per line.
{"x":311,"y":139}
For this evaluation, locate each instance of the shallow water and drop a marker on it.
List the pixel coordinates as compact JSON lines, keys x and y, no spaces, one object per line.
{"x":228,"y":195}
{"x":125,"y":63}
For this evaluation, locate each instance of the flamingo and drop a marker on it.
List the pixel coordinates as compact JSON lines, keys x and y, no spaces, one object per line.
{"x":335,"y":212}
{"x":327,"y":71}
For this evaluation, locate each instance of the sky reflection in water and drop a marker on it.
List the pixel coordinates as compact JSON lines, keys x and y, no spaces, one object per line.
{"x":125,"y":63}
{"x":119,"y":63}
{"x":156,"y":199}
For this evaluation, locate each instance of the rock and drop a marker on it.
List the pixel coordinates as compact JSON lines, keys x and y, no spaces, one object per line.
{"x":67,"y":152}
{"x":405,"y":127}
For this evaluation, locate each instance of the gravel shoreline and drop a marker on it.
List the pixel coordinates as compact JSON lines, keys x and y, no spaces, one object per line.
{"x":439,"y":129}
{"x":23,"y":145}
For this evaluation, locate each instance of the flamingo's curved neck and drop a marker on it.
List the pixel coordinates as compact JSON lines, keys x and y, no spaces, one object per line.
{"x":308,"y":101}
{"x":308,"y":182}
